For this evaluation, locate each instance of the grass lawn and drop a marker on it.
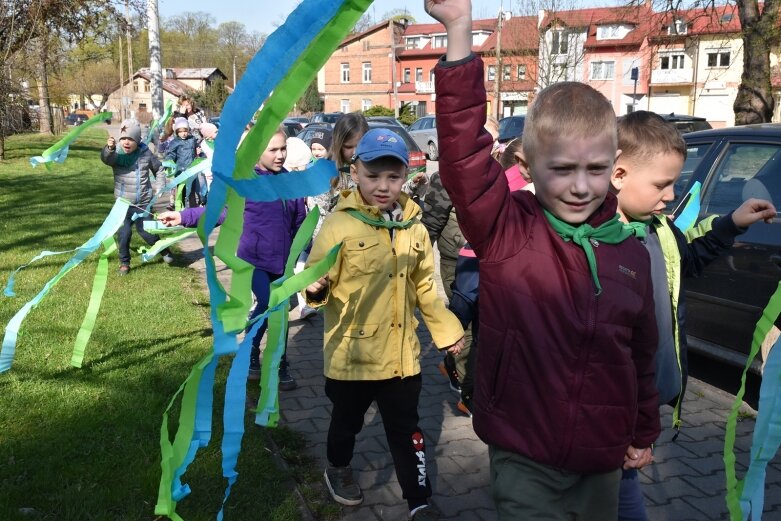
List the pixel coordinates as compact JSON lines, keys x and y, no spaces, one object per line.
{"x":83,"y":444}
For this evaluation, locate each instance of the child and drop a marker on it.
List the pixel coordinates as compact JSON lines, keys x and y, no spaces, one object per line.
{"x":564,"y":378}
{"x":269,"y":229}
{"x":135,"y":168}
{"x":652,"y":156}
{"x":320,"y":143}
{"x":370,"y":347}
{"x":183,"y":150}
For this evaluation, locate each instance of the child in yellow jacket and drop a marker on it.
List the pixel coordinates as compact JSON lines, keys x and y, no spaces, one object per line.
{"x":384,"y":271}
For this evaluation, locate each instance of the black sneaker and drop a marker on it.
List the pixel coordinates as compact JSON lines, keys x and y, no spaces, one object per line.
{"x":448,"y":369}
{"x":342,"y":485}
{"x":426,"y":513}
{"x":286,"y":380}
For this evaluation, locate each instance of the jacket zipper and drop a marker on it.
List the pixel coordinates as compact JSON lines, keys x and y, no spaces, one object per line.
{"x":574,"y":398}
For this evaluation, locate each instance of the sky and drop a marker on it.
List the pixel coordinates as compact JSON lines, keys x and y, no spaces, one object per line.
{"x":268,"y":12}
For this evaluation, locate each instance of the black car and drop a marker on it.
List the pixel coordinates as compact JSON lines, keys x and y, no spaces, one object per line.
{"x":510,"y":128}
{"x":329,"y":118}
{"x":75,"y":119}
{"x":725,"y":302}
{"x":292,"y":128}
{"x":685,"y":123}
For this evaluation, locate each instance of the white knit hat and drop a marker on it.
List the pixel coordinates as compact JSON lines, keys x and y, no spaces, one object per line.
{"x":298,"y":154}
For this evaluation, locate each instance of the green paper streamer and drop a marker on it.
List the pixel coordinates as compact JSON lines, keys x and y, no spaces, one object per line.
{"x":96,"y":297}
{"x":734,"y":485}
{"x":59,"y":151}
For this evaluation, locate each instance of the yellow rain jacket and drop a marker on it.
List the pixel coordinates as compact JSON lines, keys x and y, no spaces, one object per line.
{"x":375,"y":286}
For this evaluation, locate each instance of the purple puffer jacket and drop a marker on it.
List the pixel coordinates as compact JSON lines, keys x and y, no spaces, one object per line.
{"x":269,"y":228}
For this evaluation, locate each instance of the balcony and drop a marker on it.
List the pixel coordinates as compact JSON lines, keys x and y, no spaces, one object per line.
{"x":424,"y":87}
{"x":672,"y":76}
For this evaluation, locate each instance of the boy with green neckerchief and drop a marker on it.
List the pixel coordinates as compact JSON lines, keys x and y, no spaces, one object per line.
{"x":564,"y":380}
{"x":384,"y":271}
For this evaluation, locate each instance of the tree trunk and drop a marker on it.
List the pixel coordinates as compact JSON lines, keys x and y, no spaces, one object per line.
{"x":754,"y":102}
{"x":45,"y":111}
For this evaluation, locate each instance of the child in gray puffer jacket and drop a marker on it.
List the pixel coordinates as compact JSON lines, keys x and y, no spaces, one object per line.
{"x":135,"y":168}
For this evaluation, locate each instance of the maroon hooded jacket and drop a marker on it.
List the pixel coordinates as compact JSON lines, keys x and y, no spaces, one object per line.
{"x":563,"y":376}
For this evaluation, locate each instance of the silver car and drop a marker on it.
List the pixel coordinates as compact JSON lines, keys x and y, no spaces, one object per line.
{"x":424,"y":132}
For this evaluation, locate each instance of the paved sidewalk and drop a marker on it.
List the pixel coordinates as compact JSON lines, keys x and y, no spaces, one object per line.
{"x":685,"y":484}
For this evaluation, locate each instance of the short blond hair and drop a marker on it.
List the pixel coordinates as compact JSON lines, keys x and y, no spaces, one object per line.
{"x":642,"y":135}
{"x":568,"y":108}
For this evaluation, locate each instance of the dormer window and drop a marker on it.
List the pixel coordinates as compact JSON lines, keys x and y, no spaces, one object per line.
{"x":609,"y":32}
{"x":677,"y":27}
{"x":413,"y":43}
{"x":440,"y":41}
{"x":559,"y":41}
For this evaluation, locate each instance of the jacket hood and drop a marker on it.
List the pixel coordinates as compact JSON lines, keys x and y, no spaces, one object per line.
{"x":351,"y":199}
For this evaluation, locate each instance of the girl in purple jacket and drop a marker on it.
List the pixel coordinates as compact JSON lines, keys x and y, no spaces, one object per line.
{"x":269,"y":229}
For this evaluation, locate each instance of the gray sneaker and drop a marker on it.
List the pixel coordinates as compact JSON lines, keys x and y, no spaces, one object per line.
{"x":342,"y":486}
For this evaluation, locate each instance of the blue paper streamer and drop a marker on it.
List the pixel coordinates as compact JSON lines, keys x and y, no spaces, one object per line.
{"x":688,"y":217}
{"x":767,"y":436}
{"x":110,"y":225}
{"x":9,"y":288}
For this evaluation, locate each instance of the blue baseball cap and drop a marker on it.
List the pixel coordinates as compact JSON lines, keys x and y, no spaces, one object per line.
{"x":381,"y":142}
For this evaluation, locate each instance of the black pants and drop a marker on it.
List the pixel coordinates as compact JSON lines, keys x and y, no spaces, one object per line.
{"x":126,"y":231}
{"x":397,"y":401}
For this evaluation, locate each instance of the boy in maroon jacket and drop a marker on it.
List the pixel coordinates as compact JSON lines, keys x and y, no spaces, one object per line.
{"x":564,"y":382}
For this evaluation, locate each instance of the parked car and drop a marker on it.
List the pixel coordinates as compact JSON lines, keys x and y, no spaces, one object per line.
{"x":424,"y":132}
{"x":326,"y":117}
{"x":292,"y":128}
{"x":725,"y":302}
{"x":386,"y":119}
{"x":75,"y":119}
{"x":303,"y":120}
{"x":510,"y":128}
{"x":309,"y":131}
{"x":685,"y":123}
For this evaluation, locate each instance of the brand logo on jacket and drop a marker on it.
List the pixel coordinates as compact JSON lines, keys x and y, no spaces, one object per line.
{"x":626,"y":271}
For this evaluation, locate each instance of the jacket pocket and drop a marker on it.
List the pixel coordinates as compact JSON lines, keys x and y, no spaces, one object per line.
{"x":361,"y":345}
{"x":361,"y":256}
{"x":500,"y":368}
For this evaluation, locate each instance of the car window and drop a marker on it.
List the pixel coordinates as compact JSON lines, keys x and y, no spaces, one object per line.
{"x":745,"y":170}
{"x":416,"y":125}
{"x":694,"y":155}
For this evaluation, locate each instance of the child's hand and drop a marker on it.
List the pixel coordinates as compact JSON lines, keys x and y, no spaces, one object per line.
{"x":448,"y":11}
{"x":419,"y":179}
{"x":752,"y":211}
{"x":111,"y":143}
{"x":456,"y":348}
{"x":638,"y":458}
{"x":170,"y":218}
{"x":318,"y":286}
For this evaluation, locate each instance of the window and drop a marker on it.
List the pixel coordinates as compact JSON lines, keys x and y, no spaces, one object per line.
{"x":745,"y":170}
{"x":406,"y":75}
{"x":419,"y":74}
{"x":522,"y":72}
{"x":345,"y":73}
{"x":147,"y":86}
{"x":603,"y":70}
{"x":345,"y":106}
{"x":135,"y":86}
{"x":507,"y":72}
{"x":366,"y":104}
{"x":413,"y":43}
{"x":718,"y":59}
{"x":440,"y":41}
{"x":677,"y":27}
{"x":609,"y":32}
{"x":367,"y":72}
{"x":142,"y":107}
{"x":559,"y":40}
{"x":559,"y":71}
{"x":491,"y":72}
{"x":672,"y":61}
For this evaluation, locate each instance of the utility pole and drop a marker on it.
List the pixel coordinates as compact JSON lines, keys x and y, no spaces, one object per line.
{"x":155,"y":59}
{"x":129,"y":48}
{"x":499,"y":66}
{"x":234,"y":71}
{"x":121,"y":82}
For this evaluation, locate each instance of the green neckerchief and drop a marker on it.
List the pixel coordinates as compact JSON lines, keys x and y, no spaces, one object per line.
{"x":586,"y":236}
{"x":126,"y":160}
{"x":380,"y":223}
{"x":638,"y":228}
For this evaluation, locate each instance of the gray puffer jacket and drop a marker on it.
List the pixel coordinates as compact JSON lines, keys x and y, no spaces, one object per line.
{"x":136,"y":182}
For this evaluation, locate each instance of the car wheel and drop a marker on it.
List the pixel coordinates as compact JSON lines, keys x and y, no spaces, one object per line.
{"x":433,"y":153}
